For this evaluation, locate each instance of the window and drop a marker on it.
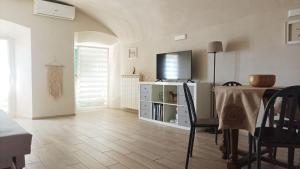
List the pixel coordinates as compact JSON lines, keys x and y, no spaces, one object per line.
{"x":91,"y":78}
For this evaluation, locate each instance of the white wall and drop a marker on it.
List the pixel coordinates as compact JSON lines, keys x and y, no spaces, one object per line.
{"x":50,"y":38}
{"x":95,"y":37}
{"x":252,"y":32}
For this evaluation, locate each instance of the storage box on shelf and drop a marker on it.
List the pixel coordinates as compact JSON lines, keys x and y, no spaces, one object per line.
{"x":164,"y":102}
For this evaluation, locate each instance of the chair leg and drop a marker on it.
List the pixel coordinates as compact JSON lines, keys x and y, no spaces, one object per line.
{"x":258,"y":156}
{"x":216,"y":136}
{"x":250,"y":137}
{"x":291,"y":153}
{"x":229,"y":142}
{"x":225,"y":145}
{"x":192,"y":144}
{"x":254,"y":144}
{"x":188,"y":150}
{"x":275,"y":153}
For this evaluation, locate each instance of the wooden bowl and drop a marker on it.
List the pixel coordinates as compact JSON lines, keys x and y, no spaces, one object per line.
{"x":262,"y":80}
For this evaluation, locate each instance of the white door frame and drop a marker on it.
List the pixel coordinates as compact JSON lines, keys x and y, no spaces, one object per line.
{"x":77,"y":74}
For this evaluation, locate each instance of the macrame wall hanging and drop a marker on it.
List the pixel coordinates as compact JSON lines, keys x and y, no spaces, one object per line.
{"x":55,"y":80}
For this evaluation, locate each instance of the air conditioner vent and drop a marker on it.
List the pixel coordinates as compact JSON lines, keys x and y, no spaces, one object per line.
{"x":55,"y":9}
{"x":59,"y":2}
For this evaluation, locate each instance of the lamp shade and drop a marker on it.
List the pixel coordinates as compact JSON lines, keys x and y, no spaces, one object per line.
{"x":215,"y":47}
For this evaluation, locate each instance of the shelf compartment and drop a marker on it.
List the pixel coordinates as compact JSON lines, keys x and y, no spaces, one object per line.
{"x":157,"y":93}
{"x":170,"y":112}
{"x":170,"y":94}
{"x":157,"y":111}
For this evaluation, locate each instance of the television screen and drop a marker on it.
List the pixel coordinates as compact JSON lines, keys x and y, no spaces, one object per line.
{"x":174,"y":66}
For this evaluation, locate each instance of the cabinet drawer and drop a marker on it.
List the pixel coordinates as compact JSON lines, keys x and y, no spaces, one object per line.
{"x":182,"y":111}
{"x":146,"y":114}
{"x":180,"y":90}
{"x":145,"y":92}
{"x":145,"y":96}
{"x":184,"y":121}
{"x":181,"y":100}
{"x":146,"y":110}
{"x":145,"y":105}
{"x":145,"y":88}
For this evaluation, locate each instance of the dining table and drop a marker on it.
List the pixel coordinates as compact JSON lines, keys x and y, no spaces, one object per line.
{"x":238,"y":108}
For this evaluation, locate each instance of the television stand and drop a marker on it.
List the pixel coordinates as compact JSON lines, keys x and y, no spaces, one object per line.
{"x":165,"y":103}
{"x":158,"y":80}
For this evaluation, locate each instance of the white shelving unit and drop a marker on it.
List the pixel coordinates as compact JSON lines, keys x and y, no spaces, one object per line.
{"x":157,"y":105}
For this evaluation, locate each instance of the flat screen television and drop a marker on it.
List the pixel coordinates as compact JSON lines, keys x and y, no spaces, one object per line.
{"x":174,"y":66}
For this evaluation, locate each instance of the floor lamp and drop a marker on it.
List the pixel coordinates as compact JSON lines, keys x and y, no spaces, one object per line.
{"x":214,"y":47}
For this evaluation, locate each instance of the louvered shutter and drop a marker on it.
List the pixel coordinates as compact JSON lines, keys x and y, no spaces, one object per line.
{"x":92,"y":78}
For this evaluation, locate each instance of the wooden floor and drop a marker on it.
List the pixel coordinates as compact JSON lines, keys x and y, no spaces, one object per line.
{"x":115,"y":139}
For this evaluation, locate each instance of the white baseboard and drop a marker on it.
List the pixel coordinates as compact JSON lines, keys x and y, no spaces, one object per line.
{"x":54,"y":116}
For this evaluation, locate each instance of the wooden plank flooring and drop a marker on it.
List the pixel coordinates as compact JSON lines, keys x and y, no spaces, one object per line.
{"x":114,"y":139}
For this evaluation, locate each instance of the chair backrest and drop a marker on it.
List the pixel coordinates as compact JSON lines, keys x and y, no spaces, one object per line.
{"x":190,"y":104}
{"x":268,"y":94}
{"x":290,"y":103}
{"x":232,"y":83}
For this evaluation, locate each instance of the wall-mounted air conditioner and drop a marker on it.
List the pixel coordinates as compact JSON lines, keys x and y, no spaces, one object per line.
{"x":294,"y":12}
{"x":54,"y":9}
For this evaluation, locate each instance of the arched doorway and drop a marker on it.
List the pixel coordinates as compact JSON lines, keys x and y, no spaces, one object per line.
{"x":93,"y":71}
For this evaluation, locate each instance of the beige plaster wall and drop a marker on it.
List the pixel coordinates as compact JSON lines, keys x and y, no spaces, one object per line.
{"x":50,"y":38}
{"x":252,"y":31}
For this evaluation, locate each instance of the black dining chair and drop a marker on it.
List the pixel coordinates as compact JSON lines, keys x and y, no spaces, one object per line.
{"x":252,"y":144}
{"x":226,"y":132}
{"x":195,"y":122}
{"x":267,"y":95}
{"x":232,"y":83}
{"x":283,"y":129}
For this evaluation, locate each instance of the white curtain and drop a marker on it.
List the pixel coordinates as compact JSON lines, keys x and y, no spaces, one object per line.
{"x":7,"y":76}
{"x":4,"y":75}
{"x":114,"y":76}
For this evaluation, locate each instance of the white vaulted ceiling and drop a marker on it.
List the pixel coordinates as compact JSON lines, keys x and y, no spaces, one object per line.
{"x":140,"y":19}
{"x":137,"y":19}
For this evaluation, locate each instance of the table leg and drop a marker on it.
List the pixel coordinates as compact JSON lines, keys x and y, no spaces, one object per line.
{"x":233,"y":162}
{"x":225,"y":147}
